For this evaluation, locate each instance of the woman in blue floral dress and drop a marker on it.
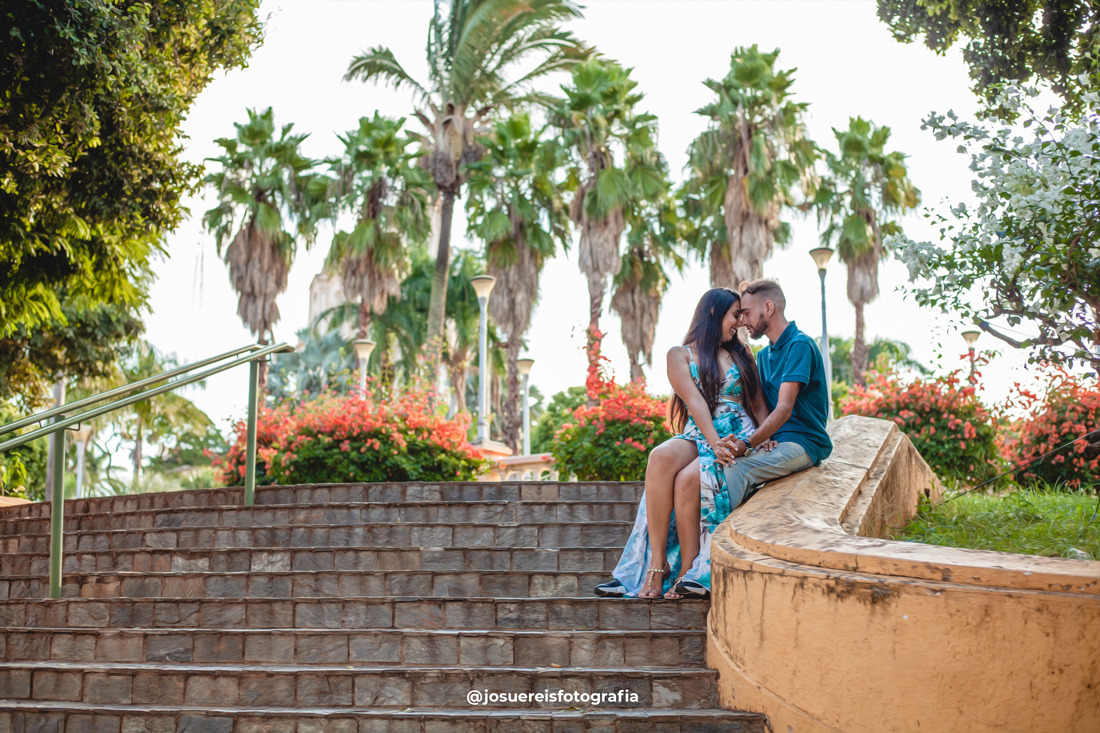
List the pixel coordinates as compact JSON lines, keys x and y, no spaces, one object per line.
{"x":717,"y":393}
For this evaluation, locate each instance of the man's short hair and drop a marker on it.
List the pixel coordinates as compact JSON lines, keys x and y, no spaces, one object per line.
{"x":767,"y":289}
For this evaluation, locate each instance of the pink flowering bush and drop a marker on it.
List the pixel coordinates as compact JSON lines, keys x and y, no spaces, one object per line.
{"x":943,"y":416}
{"x":611,"y":440}
{"x":356,"y":438}
{"x":1067,"y":409}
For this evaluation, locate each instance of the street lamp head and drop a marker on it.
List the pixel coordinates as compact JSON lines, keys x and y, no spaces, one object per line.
{"x":363,"y":349}
{"x":525,"y":365}
{"x":483,"y":285}
{"x":821,"y":256}
{"x":971,"y":336}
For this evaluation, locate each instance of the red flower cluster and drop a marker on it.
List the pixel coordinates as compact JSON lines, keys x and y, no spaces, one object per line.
{"x":1068,"y":408}
{"x":356,"y":437}
{"x":943,"y":417}
{"x":610,"y":441}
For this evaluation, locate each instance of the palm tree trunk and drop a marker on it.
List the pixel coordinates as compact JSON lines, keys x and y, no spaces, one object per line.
{"x":595,"y":305}
{"x":512,"y":412}
{"x":438,"y":303}
{"x":364,"y":318}
{"x":861,"y":354}
{"x":456,"y":375}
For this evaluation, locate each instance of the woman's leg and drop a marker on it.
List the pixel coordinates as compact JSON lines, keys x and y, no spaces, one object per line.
{"x":686,"y":502}
{"x":665,"y":462}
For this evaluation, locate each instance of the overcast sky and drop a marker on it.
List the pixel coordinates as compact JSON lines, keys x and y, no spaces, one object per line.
{"x":847,"y":64}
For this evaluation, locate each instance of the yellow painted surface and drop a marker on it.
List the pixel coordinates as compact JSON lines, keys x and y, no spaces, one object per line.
{"x":826,"y":630}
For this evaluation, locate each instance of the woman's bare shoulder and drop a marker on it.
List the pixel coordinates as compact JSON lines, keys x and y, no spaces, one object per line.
{"x":679,"y":353}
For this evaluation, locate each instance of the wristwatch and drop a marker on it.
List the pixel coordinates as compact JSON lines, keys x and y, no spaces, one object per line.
{"x":748,"y":447}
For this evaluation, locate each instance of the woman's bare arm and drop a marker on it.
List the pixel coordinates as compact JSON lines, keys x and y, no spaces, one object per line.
{"x":679,"y":375}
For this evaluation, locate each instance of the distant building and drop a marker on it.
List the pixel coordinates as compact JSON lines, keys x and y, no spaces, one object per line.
{"x":325,"y":293}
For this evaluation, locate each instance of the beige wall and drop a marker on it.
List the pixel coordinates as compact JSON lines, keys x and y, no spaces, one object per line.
{"x":825,"y":630}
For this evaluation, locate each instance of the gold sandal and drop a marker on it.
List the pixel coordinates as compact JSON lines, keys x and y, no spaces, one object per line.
{"x":665,"y":572}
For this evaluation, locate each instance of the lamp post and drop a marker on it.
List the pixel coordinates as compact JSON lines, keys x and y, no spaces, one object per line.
{"x":821,"y":256}
{"x":363,"y":349}
{"x":971,"y":337}
{"x":81,"y":436}
{"x":483,"y":285}
{"x":525,"y":369}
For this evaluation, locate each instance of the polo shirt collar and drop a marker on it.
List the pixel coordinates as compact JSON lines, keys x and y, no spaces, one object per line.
{"x":786,"y":336}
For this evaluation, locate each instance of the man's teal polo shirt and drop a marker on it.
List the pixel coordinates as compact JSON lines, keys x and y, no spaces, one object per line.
{"x":796,"y":358}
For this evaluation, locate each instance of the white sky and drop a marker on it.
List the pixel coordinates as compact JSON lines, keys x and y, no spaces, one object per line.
{"x":848,"y":64}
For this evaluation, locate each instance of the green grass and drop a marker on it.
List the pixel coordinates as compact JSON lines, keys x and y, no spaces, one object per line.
{"x":1029,"y":521}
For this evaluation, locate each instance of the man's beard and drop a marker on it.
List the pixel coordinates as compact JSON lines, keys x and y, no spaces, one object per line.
{"x":759,"y":328}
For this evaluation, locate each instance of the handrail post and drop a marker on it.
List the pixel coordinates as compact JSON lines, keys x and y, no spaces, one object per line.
{"x":250,"y":440}
{"x":57,"y":510}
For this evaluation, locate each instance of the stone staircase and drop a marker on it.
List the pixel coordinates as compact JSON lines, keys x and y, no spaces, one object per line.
{"x":345,"y":609}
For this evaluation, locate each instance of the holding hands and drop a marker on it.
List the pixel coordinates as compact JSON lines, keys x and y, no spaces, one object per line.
{"x":730,"y":448}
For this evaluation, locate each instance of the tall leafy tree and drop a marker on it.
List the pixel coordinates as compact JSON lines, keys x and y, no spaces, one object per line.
{"x":378,"y":181}
{"x":865,"y":187}
{"x":516,"y":207}
{"x":654,"y":233}
{"x":482,"y":55}
{"x":1009,"y":42}
{"x":267,"y":200}
{"x":600,"y":124}
{"x":90,"y":171}
{"x":748,"y":165}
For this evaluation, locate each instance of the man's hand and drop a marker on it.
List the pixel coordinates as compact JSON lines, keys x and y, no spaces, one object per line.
{"x":722,"y":453}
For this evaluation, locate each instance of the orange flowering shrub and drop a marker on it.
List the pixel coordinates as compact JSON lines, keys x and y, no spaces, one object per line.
{"x":943,"y":417}
{"x":1069,"y":408}
{"x":356,"y":438}
{"x":610,"y":441}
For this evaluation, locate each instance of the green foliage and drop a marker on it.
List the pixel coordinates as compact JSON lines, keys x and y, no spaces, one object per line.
{"x":1008,"y":42}
{"x":357,"y":437}
{"x":82,"y":344}
{"x":558,"y":413}
{"x":1046,"y":520}
{"x":756,"y":140}
{"x":1067,"y":408}
{"x":1027,"y":252}
{"x":886,"y":356}
{"x":378,"y":181}
{"x":948,"y":424}
{"x":90,"y":170}
{"x":322,"y":362}
{"x":611,"y":440}
{"x":22,"y":469}
{"x":267,"y":198}
{"x":865,"y":185}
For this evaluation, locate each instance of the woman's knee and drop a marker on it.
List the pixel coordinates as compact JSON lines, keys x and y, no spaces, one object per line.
{"x":671,"y":456}
{"x":686,"y":487}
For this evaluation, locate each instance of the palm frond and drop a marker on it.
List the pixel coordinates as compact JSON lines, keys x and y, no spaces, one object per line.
{"x":379,"y":63}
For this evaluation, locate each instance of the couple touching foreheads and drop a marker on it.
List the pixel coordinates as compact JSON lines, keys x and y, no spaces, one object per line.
{"x":740,"y":422}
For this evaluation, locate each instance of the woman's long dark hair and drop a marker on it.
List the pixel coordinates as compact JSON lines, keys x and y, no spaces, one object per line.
{"x":706,"y":334}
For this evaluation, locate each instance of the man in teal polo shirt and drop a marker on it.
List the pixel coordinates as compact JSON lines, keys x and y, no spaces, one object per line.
{"x":792,"y":373}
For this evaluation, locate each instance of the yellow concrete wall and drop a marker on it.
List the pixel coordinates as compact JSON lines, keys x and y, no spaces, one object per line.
{"x":826,"y":630}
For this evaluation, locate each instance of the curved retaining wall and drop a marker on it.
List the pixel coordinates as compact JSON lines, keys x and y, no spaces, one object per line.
{"x":824,"y":626}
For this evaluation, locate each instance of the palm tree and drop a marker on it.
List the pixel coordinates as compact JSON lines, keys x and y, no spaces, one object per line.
{"x":266,"y":199}
{"x":377,"y":180}
{"x":516,"y":207}
{"x":655,"y":229}
{"x":598,"y":122}
{"x":747,"y":165}
{"x":884,"y":353}
{"x":482,"y":55}
{"x":865,"y":186}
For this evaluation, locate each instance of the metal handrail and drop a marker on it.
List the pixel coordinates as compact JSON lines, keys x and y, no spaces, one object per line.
{"x":60,"y":422}
{"x":124,"y":389}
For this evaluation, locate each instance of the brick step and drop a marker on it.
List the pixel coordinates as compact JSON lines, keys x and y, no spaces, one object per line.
{"x":377,"y":534}
{"x":326,"y":493}
{"x":313,"y":584}
{"x":344,"y":685}
{"x":81,"y":718}
{"x":470,"y":647}
{"x":471,"y":512}
{"x":354,"y":613}
{"x":277,"y":559}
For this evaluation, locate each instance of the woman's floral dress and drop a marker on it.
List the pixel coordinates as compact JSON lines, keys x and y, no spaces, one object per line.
{"x":730,"y":418}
